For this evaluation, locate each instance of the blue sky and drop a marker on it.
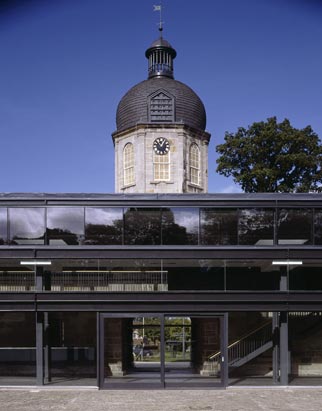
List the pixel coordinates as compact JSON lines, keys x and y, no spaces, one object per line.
{"x":65,"y":64}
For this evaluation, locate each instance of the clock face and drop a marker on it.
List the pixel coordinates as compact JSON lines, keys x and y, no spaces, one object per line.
{"x":161,"y":146}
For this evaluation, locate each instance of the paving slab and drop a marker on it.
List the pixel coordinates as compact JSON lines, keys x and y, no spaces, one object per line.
{"x":232,"y":399}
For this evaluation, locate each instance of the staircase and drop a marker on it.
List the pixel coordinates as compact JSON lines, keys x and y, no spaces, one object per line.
{"x":258,"y":341}
{"x":243,"y":350}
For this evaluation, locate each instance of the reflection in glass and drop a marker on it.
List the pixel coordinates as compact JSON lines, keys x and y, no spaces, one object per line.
{"x":72,"y":348}
{"x":218,"y":226}
{"x":253,"y":275}
{"x":248,"y":333}
{"x":256,"y":227}
{"x":294,"y":226}
{"x":107,"y":275}
{"x":27,"y":225}
{"x":306,"y":277}
{"x":180,"y":226}
{"x":142,"y":226}
{"x":3,"y":226}
{"x":103,"y":226}
{"x":194,"y":274}
{"x":65,"y":225}
{"x":318,"y":226}
{"x":17,"y":348}
{"x":304,"y":330}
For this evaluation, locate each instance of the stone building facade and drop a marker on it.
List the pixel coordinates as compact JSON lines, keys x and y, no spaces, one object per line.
{"x":161,"y":145}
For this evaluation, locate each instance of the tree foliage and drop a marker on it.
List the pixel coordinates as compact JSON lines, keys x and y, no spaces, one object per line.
{"x":272,"y":157}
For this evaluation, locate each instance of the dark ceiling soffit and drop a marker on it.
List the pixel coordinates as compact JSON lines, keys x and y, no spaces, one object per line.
{"x":163,"y":302}
{"x":162,"y":200}
{"x":158,"y":253}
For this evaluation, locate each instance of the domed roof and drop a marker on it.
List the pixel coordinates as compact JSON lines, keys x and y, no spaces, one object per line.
{"x":134,"y":106}
{"x":160,"y":98}
{"x":160,"y":42}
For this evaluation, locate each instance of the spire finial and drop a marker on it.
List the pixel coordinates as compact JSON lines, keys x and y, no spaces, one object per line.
{"x":159,"y":9}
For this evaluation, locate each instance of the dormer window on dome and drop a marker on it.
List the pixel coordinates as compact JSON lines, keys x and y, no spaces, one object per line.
{"x":161,"y":107}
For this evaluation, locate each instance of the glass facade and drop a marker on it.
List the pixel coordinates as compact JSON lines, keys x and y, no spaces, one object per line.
{"x":3,"y":226}
{"x":142,"y":295}
{"x":27,"y":225}
{"x":256,"y":227}
{"x":160,"y":275}
{"x":103,"y":226}
{"x":180,"y":226}
{"x":63,"y":226}
{"x":17,"y":348}
{"x":218,"y":226}
{"x":294,"y":226}
{"x":142,"y":226}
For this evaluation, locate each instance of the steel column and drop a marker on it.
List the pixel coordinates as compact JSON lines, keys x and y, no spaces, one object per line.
{"x":39,"y":348}
{"x":224,"y":349}
{"x":284,"y":357}
{"x":275,"y":356}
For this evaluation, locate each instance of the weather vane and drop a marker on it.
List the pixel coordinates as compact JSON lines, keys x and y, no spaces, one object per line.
{"x":159,"y":8}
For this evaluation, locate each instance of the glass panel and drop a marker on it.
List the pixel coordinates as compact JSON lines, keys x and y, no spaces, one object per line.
{"x":318,"y":227}
{"x":256,"y":227}
{"x":180,"y":225}
{"x":72,"y":349}
{"x":192,"y":351}
{"x":194,"y":274}
{"x":218,"y":226}
{"x":307,"y":276}
{"x":305,"y":346}
{"x":252,"y":275}
{"x":132,"y":351}
{"x":106,"y":275}
{"x":15,"y":277}
{"x":103,"y":226}
{"x":27,"y":225}
{"x":17,"y":349}
{"x":142,"y":226}
{"x":294,"y":226}
{"x":65,"y":226}
{"x":250,"y":348}
{"x":3,"y":226}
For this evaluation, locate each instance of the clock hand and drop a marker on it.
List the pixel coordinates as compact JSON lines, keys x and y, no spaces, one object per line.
{"x":161,"y":144}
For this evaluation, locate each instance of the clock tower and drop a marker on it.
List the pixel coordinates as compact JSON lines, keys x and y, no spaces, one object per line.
{"x":161,"y":145}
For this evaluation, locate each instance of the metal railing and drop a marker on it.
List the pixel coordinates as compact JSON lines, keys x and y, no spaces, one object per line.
{"x":134,"y":281}
{"x":247,"y":345}
{"x":17,"y":281}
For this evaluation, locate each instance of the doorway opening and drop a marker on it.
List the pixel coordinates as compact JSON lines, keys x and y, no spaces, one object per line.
{"x":158,"y":351}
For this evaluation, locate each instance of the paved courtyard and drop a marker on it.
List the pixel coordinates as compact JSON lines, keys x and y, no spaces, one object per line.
{"x":232,"y":399}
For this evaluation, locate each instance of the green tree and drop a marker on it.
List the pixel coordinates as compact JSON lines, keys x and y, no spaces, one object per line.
{"x":272,"y":157}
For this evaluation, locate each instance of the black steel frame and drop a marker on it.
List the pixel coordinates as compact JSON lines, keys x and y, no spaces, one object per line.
{"x":164,"y":383}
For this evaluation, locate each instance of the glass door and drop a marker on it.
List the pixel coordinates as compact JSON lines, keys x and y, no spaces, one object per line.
{"x":130,"y":351}
{"x":158,"y":351}
{"x":194,"y":351}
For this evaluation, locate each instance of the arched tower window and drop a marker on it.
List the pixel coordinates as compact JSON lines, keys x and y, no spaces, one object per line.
{"x":161,"y":167}
{"x":194,"y":161}
{"x":128,"y":164}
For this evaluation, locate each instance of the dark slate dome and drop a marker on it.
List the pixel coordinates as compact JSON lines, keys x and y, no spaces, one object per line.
{"x":133,"y":107}
{"x":182,"y":102}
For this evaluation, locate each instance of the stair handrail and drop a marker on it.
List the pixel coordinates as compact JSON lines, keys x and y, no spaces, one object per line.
{"x":243,"y":338}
